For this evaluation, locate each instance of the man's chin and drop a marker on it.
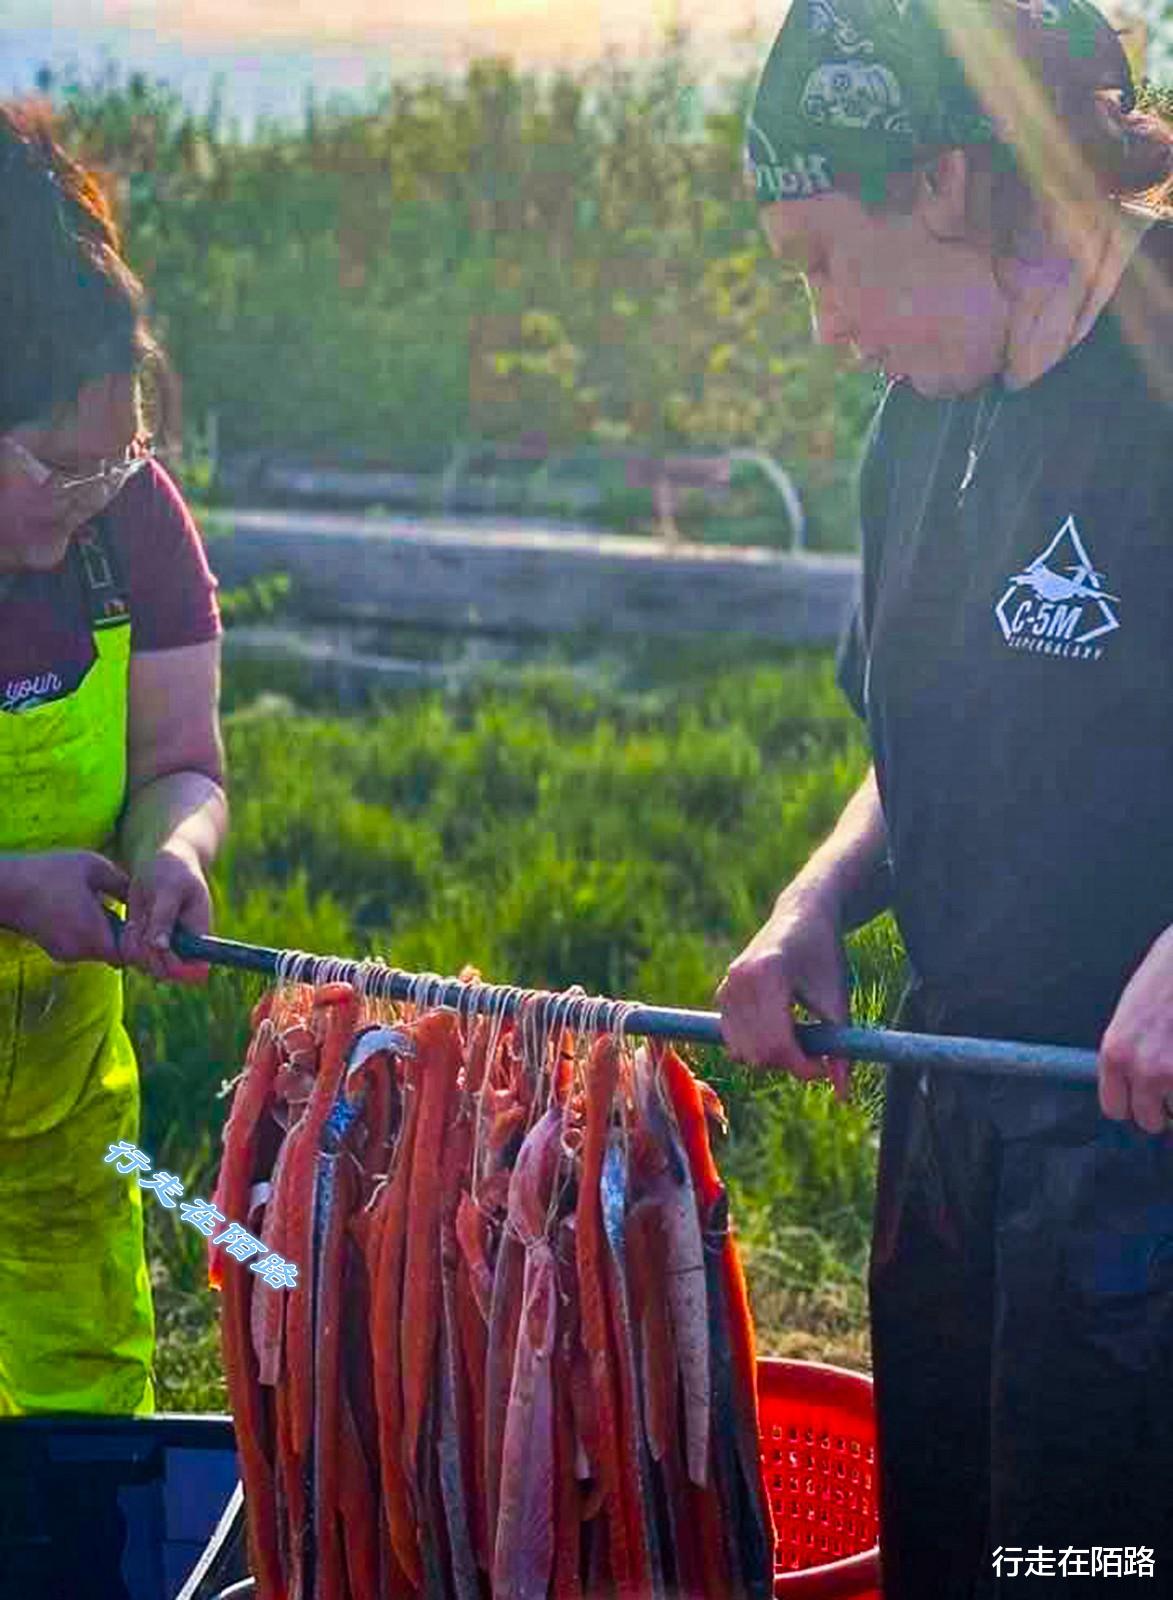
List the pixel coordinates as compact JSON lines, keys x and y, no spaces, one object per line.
{"x":929,"y":385}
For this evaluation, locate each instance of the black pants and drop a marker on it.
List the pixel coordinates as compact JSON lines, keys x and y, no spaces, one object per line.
{"x":1022,"y":1323}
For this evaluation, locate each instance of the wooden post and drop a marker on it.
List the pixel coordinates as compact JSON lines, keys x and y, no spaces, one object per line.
{"x":666,"y":475}
{"x":664,"y":503}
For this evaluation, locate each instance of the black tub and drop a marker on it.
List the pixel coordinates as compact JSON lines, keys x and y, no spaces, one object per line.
{"x":172,"y":1479}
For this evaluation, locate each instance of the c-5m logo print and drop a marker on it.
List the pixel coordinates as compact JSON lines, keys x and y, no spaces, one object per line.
{"x":1058,"y":606}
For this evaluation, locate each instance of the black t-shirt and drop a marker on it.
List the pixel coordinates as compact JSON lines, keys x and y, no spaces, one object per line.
{"x":1012,"y":661}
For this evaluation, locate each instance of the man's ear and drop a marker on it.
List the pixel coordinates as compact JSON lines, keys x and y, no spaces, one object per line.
{"x":943,"y":194}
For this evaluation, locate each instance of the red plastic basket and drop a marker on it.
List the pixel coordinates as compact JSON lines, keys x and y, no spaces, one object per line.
{"x":818,"y":1434}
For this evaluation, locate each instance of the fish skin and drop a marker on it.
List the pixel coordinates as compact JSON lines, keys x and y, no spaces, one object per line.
{"x":725,"y":1473}
{"x":433,"y":1529}
{"x":267,"y":1317}
{"x":290,"y":1476}
{"x":451,"y":1466}
{"x":688,"y":1104}
{"x":749,"y":1538}
{"x":334,"y":1191}
{"x":567,"y":1582}
{"x":754,"y":1517}
{"x":641,"y":1528}
{"x":597,"y":1340}
{"x":379,"y":1091}
{"x":659,"y":1373}
{"x":358,"y":1359}
{"x":682,"y":1525}
{"x":456,"y":1476}
{"x":337,"y":1195}
{"x":478,"y":1056}
{"x":472,"y":1232}
{"x":359,"y":1503}
{"x":335,"y":1010}
{"x":386,"y":1247}
{"x":577,"y":1378}
{"x":437,"y":1041}
{"x":254,"y":1433}
{"x":474,"y":1342}
{"x":724,"y":1512}
{"x":254,"y":1422}
{"x":250,"y":1102}
{"x":708,"y":1521}
{"x":326,"y":1381}
{"x":523,"y":1555}
{"x":735,"y":1363}
{"x":646,"y":1257}
{"x":688,"y":1304}
{"x":504,"y":1326}
{"x":358,"y":1393}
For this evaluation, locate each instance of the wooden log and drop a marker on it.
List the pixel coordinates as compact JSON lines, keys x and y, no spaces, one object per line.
{"x":513,"y":578}
{"x":357,"y":488}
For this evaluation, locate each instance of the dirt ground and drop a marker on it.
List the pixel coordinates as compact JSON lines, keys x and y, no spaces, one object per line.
{"x":827,"y":1325}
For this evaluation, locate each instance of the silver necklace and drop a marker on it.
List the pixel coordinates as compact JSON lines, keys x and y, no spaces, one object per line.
{"x":976,"y":450}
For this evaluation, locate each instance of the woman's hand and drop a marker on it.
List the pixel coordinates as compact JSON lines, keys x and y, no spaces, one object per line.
{"x":169,"y":888}
{"x":796,"y":957}
{"x":54,"y":898}
{"x":1136,"y":1052}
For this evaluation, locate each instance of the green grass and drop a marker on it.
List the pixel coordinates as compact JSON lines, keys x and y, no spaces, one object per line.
{"x":628,"y":840}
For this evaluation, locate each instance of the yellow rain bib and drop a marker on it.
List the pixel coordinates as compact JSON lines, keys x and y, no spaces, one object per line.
{"x":76,"y":1320}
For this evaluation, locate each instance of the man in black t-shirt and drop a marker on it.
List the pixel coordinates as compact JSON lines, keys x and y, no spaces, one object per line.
{"x":958,"y":185}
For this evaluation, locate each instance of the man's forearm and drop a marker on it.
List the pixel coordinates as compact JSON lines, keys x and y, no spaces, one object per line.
{"x":850,"y":870}
{"x":184,"y":810}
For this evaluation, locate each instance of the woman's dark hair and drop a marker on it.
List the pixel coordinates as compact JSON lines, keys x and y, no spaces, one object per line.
{"x":1128,"y":153}
{"x":71,"y":309}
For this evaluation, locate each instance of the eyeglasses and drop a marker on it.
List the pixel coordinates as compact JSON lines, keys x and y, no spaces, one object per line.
{"x":110,"y":475}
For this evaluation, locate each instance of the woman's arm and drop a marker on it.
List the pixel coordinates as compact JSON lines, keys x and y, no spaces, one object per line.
{"x":850,"y":871}
{"x":176,"y":812}
{"x":797,"y":955}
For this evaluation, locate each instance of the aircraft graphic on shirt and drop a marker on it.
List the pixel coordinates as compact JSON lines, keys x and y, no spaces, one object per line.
{"x":1056,"y":604}
{"x":1050,"y":585}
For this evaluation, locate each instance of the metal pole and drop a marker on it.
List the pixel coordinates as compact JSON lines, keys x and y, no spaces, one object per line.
{"x":935,"y":1051}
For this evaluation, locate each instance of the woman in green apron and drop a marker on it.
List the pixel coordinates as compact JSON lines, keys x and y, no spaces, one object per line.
{"x":110,"y":778}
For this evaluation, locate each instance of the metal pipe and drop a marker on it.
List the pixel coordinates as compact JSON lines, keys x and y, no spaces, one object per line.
{"x":784,"y":484}
{"x":889,"y":1047}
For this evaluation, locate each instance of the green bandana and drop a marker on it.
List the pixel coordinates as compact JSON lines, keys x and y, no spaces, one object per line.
{"x":861,"y":88}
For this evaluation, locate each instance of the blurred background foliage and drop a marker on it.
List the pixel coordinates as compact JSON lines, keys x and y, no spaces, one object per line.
{"x":471,"y":259}
{"x":448,"y":259}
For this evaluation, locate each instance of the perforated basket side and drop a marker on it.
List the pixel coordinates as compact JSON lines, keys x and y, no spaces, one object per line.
{"x":817,"y":1431}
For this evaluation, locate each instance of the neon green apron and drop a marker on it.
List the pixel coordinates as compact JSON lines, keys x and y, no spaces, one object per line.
{"x":76,"y":1320}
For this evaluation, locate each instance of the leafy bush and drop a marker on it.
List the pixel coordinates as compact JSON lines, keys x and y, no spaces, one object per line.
{"x":450,"y":260}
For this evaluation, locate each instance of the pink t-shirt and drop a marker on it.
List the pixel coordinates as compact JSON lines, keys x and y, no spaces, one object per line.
{"x":46,"y":642}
